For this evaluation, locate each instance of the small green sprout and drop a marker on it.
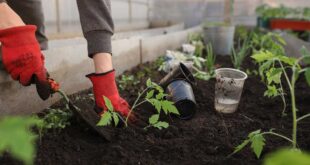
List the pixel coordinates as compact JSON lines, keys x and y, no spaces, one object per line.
{"x":127,"y":81}
{"x":110,"y":115}
{"x":238,"y":57}
{"x":56,"y":119}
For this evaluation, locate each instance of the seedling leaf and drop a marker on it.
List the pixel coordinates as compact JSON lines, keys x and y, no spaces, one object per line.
{"x":160,"y":125}
{"x":263,"y":56}
{"x":108,"y":103}
{"x":149,"y":83}
{"x":274,"y":75}
{"x":169,"y":107}
{"x":155,"y":103}
{"x":272,"y":91}
{"x":115,"y":118}
{"x":150,"y":94}
{"x":241,"y":146}
{"x":105,"y":119}
{"x":160,"y":96}
{"x":154,"y":119}
{"x":258,"y":143}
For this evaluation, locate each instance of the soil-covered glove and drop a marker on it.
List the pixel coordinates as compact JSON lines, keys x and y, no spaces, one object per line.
{"x":104,"y":85}
{"x":22,"y":57}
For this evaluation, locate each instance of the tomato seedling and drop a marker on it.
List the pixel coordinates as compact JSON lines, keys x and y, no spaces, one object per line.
{"x":274,"y":73}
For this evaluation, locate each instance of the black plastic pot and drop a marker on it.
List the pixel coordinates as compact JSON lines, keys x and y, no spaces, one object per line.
{"x":181,"y":93}
{"x":178,"y":73}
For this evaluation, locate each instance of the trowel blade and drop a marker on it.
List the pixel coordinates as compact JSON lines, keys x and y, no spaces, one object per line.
{"x":90,"y":117}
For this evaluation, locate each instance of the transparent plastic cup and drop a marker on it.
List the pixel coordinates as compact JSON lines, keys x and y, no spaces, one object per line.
{"x":228,"y":89}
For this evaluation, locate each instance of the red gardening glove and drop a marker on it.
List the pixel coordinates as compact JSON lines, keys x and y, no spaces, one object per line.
{"x":104,"y":85}
{"x":22,"y":58}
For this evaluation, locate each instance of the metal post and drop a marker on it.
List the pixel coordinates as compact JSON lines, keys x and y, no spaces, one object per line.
{"x":58,"y":21}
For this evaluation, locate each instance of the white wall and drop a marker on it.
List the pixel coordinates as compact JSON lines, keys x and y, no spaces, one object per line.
{"x":70,"y":19}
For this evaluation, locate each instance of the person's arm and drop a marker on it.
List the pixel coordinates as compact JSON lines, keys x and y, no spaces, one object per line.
{"x":8,"y":18}
{"x":21,"y":54}
{"x":97,"y":25}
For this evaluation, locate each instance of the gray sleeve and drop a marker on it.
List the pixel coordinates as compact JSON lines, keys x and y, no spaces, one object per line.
{"x":97,"y":25}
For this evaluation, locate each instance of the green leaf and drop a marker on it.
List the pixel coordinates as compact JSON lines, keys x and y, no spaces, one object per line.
{"x":288,"y":60}
{"x":265,"y":66}
{"x":115,"y":118}
{"x":105,"y":119}
{"x":150,"y":94}
{"x":307,"y":74}
{"x":160,"y":96}
{"x":262,"y":56}
{"x":17,"y":137}
{"x":287,"y":157}
{"x":272,"y":91}
{"x":155,"y":103}
{"x":169,"y":107}
{"x":274,"y":75}
{"x":149,"y":83}
{"x":159,"y":88}
{"x":108,"y":103}
{"x":154,"y":119}
{"x":160,"y":125}
{"x":258,"y":143}
{"x":241,"y":146}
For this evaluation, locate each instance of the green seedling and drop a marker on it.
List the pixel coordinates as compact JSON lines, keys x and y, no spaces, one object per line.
{"x":210,"y":60}
{"x":274,"y":73}
{"x":126,"y":81}
{"x":109,"y":115}
{"x":273,"y":43}
{"x":154,"y":94}
{"x":18,"y":139}
{"x":56,"y":119}
{"x":209,"y":64}
{"x":238,"y":56}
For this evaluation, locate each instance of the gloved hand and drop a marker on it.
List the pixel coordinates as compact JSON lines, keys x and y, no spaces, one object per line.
{"x":104,"y":85}
{"x":22,"y":57}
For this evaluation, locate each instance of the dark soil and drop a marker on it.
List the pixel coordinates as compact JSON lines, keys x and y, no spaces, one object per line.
{"x":206,"y":139}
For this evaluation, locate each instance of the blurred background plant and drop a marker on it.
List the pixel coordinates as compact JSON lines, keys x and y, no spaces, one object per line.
{"x":17,"y":137}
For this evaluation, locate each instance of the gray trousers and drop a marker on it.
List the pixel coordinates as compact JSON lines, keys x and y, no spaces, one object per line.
{"x":31,"y":13}
{"x":95,"y":16}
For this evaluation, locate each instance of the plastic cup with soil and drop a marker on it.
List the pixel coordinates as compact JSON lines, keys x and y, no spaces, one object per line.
{"x":181,"y":72}
{"x":228,"y":89}
{"x":181,"y":93}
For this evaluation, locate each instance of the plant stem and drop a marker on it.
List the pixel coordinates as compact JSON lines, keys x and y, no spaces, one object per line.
{"x":62,"y":93}
{"x":294,"y":109}
{"x":279,"y":135}
{"x":139,"y":104}
{"x":283,"y":99}
{"x":135,"y":105}
{"x":291,"y":84}
{"x":303,"y":117}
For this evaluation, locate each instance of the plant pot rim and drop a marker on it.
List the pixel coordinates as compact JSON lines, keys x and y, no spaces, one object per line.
{"x":245,"y":76}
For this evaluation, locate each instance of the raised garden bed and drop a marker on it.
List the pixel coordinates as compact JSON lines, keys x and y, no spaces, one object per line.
{"x":208,"y":138}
